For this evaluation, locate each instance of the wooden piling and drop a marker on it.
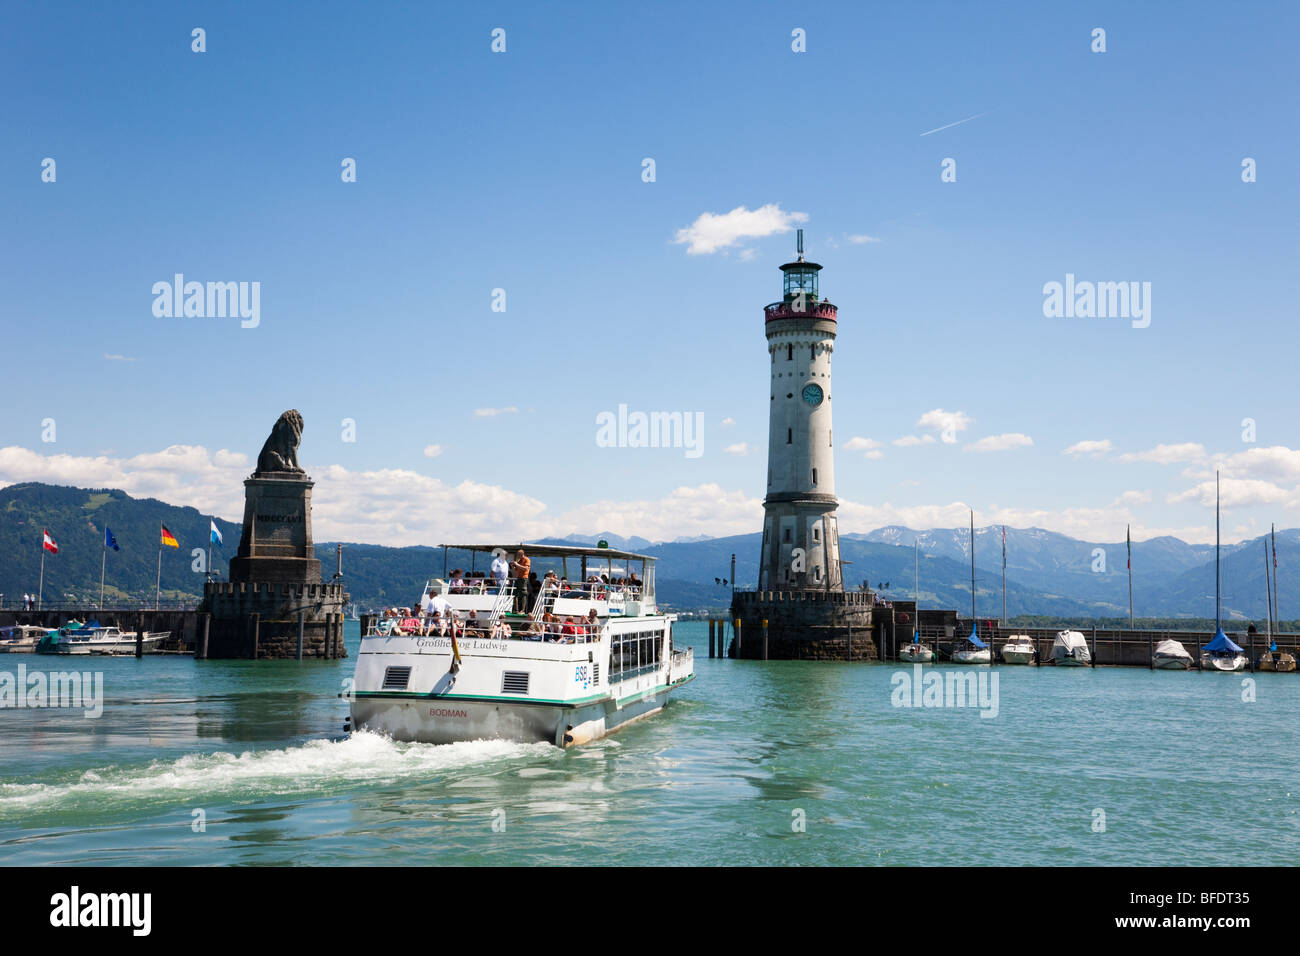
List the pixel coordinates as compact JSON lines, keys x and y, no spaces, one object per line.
{"x":764,"y":638}
{"x":1151,"y":651}
{"x":139,"y":636}
{"x":203,"y":637}
{"x":254,"y":621}
{"x":1094,"y":645}
{"x":300,"y":630}
{"x":739,"y":645}
{"x":712,"y":627}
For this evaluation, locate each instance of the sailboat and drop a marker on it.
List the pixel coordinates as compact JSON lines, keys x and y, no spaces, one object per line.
{"x":916,"y":652}
{"x":1273,"y":659}
{"x":974,"y":651}
{"x":1170,"y":655}
{"x":1221,"y":654}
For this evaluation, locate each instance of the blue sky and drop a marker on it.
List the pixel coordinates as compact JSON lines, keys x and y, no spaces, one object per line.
{"x":522,"y":171}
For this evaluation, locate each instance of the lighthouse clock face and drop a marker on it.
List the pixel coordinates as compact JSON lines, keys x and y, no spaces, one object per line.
{"x":812,"y":394}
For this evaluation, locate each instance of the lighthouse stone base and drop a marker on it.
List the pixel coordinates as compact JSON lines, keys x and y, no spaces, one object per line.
{"x":804,"y":624}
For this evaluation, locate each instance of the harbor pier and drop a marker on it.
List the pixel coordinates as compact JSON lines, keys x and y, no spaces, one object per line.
{"x":182,"y":623}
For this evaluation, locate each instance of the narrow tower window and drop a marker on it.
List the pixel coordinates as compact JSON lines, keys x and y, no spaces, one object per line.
{"x":812,"y":352}
{"x":789,"y":436}
{"x":814,"y":476}
{"x":789,"y":353}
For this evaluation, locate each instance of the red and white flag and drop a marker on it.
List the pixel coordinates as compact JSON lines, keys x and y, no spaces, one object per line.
{"x":49,"y":544}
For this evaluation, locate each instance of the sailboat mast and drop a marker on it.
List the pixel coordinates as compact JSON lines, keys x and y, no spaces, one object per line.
{"x":974,"y":628}
{"x":1268,"y":591}
{"x":1004,"y":575}
{"x":1278,"y":620}
{"x":1218,"y":597}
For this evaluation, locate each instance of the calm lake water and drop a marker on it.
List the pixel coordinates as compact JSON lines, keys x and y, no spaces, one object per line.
{"x":1184,"y":771}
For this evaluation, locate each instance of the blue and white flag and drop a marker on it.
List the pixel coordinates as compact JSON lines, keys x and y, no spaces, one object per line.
{"x":216,"y":535}
{"x":110,"y":541}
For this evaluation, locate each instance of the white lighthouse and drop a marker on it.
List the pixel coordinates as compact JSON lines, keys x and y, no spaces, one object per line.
{"x":801,"y":547}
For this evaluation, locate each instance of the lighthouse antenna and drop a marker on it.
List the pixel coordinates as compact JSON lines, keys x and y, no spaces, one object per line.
{"x":800,"y":243}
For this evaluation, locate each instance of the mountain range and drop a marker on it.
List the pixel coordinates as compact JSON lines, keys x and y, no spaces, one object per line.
{"x":1047,"y":574}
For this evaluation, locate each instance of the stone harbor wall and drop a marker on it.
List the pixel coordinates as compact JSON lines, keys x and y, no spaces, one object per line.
{"x":261,"y":620}
{"x":805,"y":625}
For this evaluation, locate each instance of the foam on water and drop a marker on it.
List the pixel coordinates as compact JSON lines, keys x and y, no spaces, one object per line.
{"x":315,"y":767}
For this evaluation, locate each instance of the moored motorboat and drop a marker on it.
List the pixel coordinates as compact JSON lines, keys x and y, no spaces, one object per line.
{"x":1070,"y":649}
{"x":1019,"y":649}
{"x":92,"y":638}
{"x":566,"y":665}
{"x":21,"y":638}
{"x":915,"y":653}
{"x":1171,"y":655}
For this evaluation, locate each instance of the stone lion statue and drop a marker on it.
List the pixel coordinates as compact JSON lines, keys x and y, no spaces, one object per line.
{"x":280,"y":453}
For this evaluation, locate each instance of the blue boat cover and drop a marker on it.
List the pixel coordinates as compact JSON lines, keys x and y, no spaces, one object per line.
{"x":1222,"y":642}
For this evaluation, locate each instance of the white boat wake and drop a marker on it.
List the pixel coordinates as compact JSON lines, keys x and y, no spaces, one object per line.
{"x":315,"y":768}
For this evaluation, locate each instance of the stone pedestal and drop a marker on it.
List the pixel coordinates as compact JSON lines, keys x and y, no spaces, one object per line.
{"x":275,"y":601}
{"x":806,"y":625}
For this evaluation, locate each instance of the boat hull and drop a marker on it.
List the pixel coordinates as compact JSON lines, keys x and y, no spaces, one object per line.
{"x":446,"y":719}
{"x":1229,"y":664}
{"x":916,"y":654}
{"x":972,"y":657}
{"x":1283,"y":663}
{"x":1172,"y":663}
{"x":1011,"y":656}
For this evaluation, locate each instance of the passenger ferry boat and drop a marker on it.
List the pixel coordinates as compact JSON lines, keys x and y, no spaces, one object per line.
{"x":530,"y":666}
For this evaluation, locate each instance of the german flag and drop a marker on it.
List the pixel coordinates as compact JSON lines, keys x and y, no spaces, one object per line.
{"x":169,"y":539}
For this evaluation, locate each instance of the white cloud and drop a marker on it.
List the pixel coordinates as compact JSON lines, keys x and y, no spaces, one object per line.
{"x":1236,"y":493}
{"x":907,"y":441}
{"x":114,"y":357}
{"x":746,"y":255}
{"x":1093,"y":449}
{"x":859,"y":239}
{"x":858,"y":443}
{"x":740,"y":448}
{"x":947,"y":424}
{"x":711,"y":232}
{"x":493,"y":412}
{"x":1167,"y":454}
{"x":1135,"y":498}
{"x":728,"y":421}
{"x":1003,"y":442}
{"x":1276,"y":462}
{"x":874,"y":455}
{"x":432,"y":451}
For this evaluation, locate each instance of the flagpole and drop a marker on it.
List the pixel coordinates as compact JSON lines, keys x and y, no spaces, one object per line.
{"x":41,"y":593}
{"x":1218,"y":607}
{"x":1128,"y":538}
{"x":157,"y":588}
{"x":103,"y":562}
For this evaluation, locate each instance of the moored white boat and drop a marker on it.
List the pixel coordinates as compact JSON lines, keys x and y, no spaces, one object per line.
{"x":1070,"y":649}
{"x":1171,"y":655}
{"x":21,"y":638}
{"x":554,"y":673}
{"x":1018,"y":649}
{"x":1222,"y":654}
{"x":972,"y":655}
{"x":915,"y":653}
{"x":92,"y":638}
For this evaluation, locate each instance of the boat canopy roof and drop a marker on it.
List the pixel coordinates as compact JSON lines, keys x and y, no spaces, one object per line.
{"x":550,"y":551}
{"x":1222,"y":642}
{"x":974,"y":638}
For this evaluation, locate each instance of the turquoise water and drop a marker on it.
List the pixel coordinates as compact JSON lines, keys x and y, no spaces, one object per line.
{"x":1185,"y":771}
